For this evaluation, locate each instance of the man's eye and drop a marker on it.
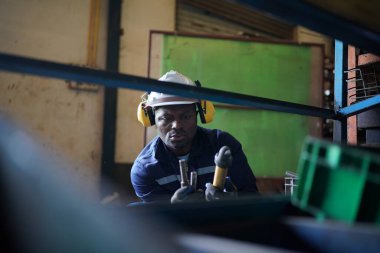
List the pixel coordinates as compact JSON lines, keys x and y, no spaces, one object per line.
{"x":164,"y":118}
{"x":188,"y":116}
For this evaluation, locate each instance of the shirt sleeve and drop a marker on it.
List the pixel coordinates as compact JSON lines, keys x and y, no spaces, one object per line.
{"x":146,"y":188}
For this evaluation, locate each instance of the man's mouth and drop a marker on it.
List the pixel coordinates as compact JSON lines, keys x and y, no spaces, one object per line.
{"x":176,"y":137}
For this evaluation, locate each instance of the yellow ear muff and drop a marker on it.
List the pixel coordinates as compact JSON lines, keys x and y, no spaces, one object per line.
{"x":144,"y":115}
{"x":208,"y":111}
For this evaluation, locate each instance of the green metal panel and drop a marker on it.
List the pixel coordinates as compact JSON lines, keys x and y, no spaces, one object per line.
{"x":271,"y":140}
{"x":338,"y":182}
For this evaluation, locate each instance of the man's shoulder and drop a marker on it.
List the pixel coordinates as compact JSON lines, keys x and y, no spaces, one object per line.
{"x":209,"y":133}
{"x":219,"y":138}
{"x":147,"y":155}
{"x":217,"y":135}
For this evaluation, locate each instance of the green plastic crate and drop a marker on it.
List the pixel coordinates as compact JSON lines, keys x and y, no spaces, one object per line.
{"x":338,"y":182}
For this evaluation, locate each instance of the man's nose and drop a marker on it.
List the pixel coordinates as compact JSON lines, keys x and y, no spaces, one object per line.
{"x":176,"y":124}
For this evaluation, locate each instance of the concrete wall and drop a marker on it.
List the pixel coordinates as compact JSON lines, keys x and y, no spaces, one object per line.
{"x":66,"y":122}
{"x":138,"y":18}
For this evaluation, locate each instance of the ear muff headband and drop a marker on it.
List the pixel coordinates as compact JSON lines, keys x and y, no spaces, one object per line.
{"x":201,"y":112}
{"x":205,"y":108}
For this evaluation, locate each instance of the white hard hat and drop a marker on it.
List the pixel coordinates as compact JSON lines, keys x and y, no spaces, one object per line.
{"x":161,"y":99}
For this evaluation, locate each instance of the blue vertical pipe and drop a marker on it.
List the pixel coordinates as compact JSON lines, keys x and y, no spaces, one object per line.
{"x":340,"y":91}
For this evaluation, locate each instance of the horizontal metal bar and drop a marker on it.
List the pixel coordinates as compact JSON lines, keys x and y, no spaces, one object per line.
{"x":359,"y":107}
{"x":314,"y":18}
{"x":117,"y":80}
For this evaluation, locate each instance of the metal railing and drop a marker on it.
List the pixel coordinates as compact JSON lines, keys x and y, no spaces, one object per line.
{"x":366,"y":85}
{"x":291,"y":181}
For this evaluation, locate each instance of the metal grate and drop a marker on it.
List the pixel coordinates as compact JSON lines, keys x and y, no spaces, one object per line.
{"x":366,"y":81}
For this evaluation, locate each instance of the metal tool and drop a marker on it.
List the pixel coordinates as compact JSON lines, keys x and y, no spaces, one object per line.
{"x":193,"y":179}
{"x":183,"y":171}
{"x":223,"y":160}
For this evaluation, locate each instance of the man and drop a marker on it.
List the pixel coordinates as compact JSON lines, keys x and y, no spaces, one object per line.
{"x":155,"y":174}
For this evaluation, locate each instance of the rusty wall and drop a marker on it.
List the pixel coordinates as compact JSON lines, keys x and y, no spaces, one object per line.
{"x":66,"y":122}
{"x":138,"y":19}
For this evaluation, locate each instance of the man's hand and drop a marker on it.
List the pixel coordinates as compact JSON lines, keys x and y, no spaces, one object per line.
{"x":187,"y":194}
{"x":213,"y":193}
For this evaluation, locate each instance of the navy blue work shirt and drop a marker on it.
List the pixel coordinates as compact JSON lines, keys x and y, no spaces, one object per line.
{"x":155,"y":174}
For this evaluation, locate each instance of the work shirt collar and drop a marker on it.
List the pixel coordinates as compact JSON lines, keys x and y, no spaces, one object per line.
{"x":162,"y":153}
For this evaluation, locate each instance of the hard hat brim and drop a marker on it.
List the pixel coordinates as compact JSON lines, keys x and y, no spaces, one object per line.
{"x":172,"y":103}
{"x":171,"y":100}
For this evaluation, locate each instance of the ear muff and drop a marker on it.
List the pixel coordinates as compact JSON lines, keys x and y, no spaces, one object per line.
{"x":206,"y":111}
{"x":205,"y":108}
{"x":145,"y":115}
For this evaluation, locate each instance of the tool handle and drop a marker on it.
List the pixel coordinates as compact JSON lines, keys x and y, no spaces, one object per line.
{"x":223,"y":160}
{"x":220,"y":177}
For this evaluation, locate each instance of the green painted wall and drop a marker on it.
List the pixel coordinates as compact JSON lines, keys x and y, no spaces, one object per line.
{"x":272,"y":141}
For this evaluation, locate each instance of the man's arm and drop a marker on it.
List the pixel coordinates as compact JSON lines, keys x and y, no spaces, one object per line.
{"x":241,"y":173}
{"x":146,"y":188}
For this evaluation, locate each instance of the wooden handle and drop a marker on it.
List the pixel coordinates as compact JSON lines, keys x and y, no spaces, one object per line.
{"x":219,"y":177}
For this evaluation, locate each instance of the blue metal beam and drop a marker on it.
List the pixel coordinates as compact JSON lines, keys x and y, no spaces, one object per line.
{"x":359,"y":107}
{"x":317,"y":19}
{"x":340,"y":91}
{"x":117,"y":80}
{"x":338,"y":76}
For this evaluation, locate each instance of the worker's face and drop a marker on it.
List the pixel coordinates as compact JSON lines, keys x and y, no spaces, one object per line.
{"x":177,"y":126}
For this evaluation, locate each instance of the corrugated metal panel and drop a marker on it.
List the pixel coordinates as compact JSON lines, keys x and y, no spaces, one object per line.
{"x":190,"y":19}
{"x":222,"y":17}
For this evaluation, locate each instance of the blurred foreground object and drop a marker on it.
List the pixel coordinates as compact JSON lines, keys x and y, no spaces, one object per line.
{"x":41,"y":213}
{"x":338,"y":182}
